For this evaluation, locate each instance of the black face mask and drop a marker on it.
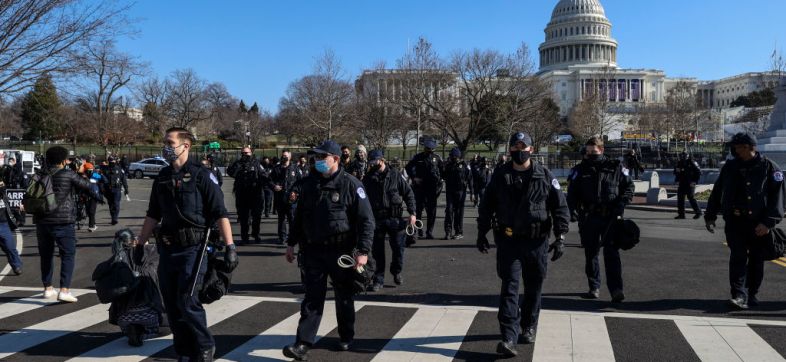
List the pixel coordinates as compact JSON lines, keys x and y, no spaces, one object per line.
{"x":245,"y":157}
{"x":593,"y":157}
{"x":284,"y":159}
{"x":520,"y":157}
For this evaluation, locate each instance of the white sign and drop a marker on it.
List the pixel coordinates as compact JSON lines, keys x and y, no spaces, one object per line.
{"x":15,"y":198}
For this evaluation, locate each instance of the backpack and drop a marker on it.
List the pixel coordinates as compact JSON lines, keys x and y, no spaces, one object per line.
{"x":114,"y":277}
{"x":40,"y":198}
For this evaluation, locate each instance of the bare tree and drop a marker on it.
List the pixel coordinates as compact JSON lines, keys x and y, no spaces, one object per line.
{"x":419,"y":70}
{"x":186,"y":99}
{"x":323,"y":99}
{"x":152,"y":94}
{"x":376,"y":118}
{"x":595,"y":114}
{"x":37,"y":36}
{"x":684,"y":111}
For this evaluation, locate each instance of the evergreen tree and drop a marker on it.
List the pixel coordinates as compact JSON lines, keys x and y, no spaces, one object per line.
{"x":242,"y":107}
{"x":40,"y":108}
{"x":254,"y":109}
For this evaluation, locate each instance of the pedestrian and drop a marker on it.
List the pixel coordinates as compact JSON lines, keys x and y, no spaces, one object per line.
{"x":283,"y":176}
{"x":687,"y":174}
{"x":425,"y":172}
{"x":302,"y":163}
{"x":333,"y":220}
{"x":523,"y":203}
{"x":632,"y":162}
{"x":458,"y":179}
{"x":97,"y":184}
{"x":267,"y":189}
{"x":56,"y":227}
{"x":248,"y":174}
{"x":346,"y":157}
{"x":481,"y":176}
{"x":749,"y":193}
{"x":7,"y":239}
{"x":124,"y":163}
{"x":390,"y":196}
{"x":359,"y":166}
{"x":116,"y":186}
{"x":181,"y":237}
{"x":501,"y":160}
{"x":600,"y":188}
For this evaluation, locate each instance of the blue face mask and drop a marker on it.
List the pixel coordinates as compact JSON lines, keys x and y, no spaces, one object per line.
{"x":321,"y":166}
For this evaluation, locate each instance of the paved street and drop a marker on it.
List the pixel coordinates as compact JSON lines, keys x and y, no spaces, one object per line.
{"x":675,"y":283}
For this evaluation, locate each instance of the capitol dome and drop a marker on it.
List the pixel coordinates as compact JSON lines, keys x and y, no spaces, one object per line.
{"x":578,"y":34}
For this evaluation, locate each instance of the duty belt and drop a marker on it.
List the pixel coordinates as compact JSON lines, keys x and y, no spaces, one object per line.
{"x":599,"y":209}
{"x":337,"y":241}
{"x":534,"y":231}
{"x":183,"y":237}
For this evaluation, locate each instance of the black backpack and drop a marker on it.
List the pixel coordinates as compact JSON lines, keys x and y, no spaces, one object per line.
{"x":115,"y":277}
{"x":40,"y":198}
{"x":775,"y":245}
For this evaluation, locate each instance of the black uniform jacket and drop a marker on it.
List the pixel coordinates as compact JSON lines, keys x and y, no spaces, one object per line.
{"x":752,"y":189}
{"x":543,"y":203}
{"x":601,"y":185}
{"x":396,"y":193}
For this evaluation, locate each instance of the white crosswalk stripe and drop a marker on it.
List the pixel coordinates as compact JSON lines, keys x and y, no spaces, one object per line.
{"x":423,"y":333}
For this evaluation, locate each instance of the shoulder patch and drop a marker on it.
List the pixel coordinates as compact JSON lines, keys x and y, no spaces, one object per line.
{"x":777,"y":176}
{"x":213,"y":178}
{"x":625,"y":171}
{"x":361,"y":192}
{"x":555,"y":184}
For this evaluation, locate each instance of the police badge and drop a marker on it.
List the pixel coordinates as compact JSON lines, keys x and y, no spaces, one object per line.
{"x":334,"y":197}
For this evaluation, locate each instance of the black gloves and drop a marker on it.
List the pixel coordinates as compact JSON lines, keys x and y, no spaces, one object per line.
{"x":230,"y":258}
{"x":483,"y":244}
{"x":709,"y":223}
{"x":558,"y":248}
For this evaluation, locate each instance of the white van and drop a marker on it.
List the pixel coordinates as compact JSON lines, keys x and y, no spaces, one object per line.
{"x":29,"y":163}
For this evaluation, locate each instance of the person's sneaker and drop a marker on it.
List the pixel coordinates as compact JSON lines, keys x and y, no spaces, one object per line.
{"x":398,"y":279}
{"x":17,"y":271}
{"x":738,"y":303}
{"x":507,"y":349}
{"x":458,"y":237}
{"x":529,"y":335}
{"x":66,"y":297}
{"x":50,"y":294}
{"x":298,"y":352}
{"x":679,"y":217}
{"x":92,"y":228}
{"x":617,"y":296}
{"x":376,"y":287}
{"x":206,"y":355}
{"x":344,"y":346}
{"x":592,"y":294}
{"x":697,"y":216}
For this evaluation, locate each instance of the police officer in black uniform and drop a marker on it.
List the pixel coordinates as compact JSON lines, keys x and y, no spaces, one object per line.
{"x":282,"y":177}
{"x":749,"y":193}
{"x":523,"y":203}
{"x":687,"y":174}
{"x":390,"y":196}
{"x":267,"y":188}
{"x":425,"y":172}
{"x":600,"y":188}
{"x":458,"y":179}
{"x":185,"y":198}
{"x":248,"y":174}
{"x":481,"y":175}
{"x":333,"y":218}
{"x":116,"y":186}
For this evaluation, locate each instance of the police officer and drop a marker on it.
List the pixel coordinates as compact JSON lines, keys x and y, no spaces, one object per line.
{"x":390,"y":196}
{"x":749,"y":193}
{"x":248,"y":176}
{"x":600,"y":188}
{"x":359,"y":166}
{"x":186,"y":197}
{"x":207,"y":163}
{"x":523,"y":203}
{"x":333,"y":218}
{"x":425,"y":172}
{"x":282,"y":177}
{"x":458,"y":179}
{"x":116,"y":186}
{"x":481,"y":175}
{"x":687,"y":174}
{"x":267,"y":189}
{"x":633,"y":163}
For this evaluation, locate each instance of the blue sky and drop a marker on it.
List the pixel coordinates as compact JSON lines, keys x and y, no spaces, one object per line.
{"x":258,"y":47}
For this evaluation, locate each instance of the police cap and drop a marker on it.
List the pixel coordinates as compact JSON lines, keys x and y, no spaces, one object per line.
{"x":455,"y":152}
{"x":375,"y":155}
{"x":430,"y":143}
{"x":743,"y":139}
{"x":327,"y":147}
{"x":520,"y":137}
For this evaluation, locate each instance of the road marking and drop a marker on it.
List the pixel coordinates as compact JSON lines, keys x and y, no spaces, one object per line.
{"x":268,"y":344}
{"x":706,"y":342}
{"x":20,"y":243}
{"x":779,"y":263}
{"x":23,"y":305}
{"x":748,"y":345}
{"x":119,"y":350}
{"x":429,"y":335}
{"x":555,"y":341}
{"x":25,"y":338}
{"x":590,"y":338}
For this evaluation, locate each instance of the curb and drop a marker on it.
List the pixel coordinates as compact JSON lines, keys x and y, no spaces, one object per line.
{"x":656,"y":209}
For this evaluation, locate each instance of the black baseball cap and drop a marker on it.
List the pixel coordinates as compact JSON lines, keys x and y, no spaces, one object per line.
{"x":743,"y":139}
{"x":520,"y":137}
{"x":327,"y":147}
{"x":375,"y":155}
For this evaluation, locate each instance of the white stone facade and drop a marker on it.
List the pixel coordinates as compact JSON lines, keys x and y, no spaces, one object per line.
{"x":721,"y":93}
